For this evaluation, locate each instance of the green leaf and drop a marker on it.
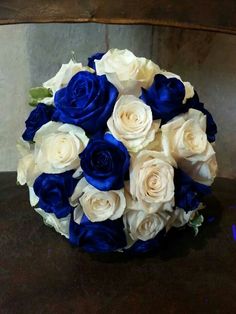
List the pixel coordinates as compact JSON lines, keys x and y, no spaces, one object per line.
{"x":37,"y":94}
{"x":196,"y":222}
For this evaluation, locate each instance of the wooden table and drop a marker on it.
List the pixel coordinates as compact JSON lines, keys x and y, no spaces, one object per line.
{"x":41,"y":273}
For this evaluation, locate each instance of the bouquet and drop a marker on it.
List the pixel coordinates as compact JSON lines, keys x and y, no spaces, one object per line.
{"x":116,"y":153}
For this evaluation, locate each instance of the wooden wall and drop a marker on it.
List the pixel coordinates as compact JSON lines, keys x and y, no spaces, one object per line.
{"x":216,"y":15}
{"x":32,"y":53}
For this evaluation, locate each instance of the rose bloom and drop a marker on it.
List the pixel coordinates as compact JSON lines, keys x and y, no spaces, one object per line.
{"x":126,"y":71}
{"x":60,"y":225}
{"x":57,"y":147}
{"x":27,"y":169}
{"x":140,"y":225}
{"x":189,"y":90}
{"x":104,"y":162}
{"x":203,"y":170}
{"x":64,"y":75}
{"x":184,"y":138}
{"x":132,"y":123}
{"x":54,"y":191}
{"x":37,"y":118}
{"x":87,"y":101}
{"x":103,"y":236}
{"x":97,"y":205}
{"x":151,"y":182}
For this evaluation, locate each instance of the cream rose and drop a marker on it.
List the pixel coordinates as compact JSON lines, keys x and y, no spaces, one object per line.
{"x":151,"y":182}
{"x":98,"y":205}
{"x":184,"y":139}
{"x":189,"y":89}
{"x":126,"y":71}
{"x":34,"y":199}
{"x":203,"y":171}
{"x":132,"y":123}
{"x":27,"y":169}
{"x":140,"y":225}
{"x":57,"y":147}
{"x":184,"y":136}
{"x":60,"y":225}
{"x":64,"y":75}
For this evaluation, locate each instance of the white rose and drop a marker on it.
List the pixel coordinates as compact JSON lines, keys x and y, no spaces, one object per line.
{"x":151,"y":182}
{"x":126,"y":71}
{"x":140,"y":225}
{"x":132,"y":123}
{"x":57,"y":147}
{"x":98,"y":205}
{"x":189,"y":89}
{"x":27,"y":169}
{"x":203,"y":171}
{"x":60,"y":225}
{"x":184,"y":138}
{"x":64,"y":75}
{"x":34,"y":199}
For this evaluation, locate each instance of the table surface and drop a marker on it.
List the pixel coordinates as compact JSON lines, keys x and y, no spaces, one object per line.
{"x":41,"y":273}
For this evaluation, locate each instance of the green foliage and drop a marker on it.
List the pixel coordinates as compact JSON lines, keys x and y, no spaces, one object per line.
{"x":37,"y":94}
{"x":196,"y":222}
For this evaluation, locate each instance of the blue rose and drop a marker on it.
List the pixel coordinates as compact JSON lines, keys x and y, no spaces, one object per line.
{"x":105,"y":236}
{"x":165,"y":97}
{"x":38,"y":117}
{"x":96,"y":56}
{"x":188,"y":193}
{"x":105,"y":162}
{"x":211,"y":128}
{"x":87,"y":101}
{"x":54,"y":191}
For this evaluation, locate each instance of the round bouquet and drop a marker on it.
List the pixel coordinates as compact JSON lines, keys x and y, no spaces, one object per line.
{"x":117,"y":152}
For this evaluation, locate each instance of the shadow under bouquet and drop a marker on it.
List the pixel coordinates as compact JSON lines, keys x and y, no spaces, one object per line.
{"x":116,"y":153}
